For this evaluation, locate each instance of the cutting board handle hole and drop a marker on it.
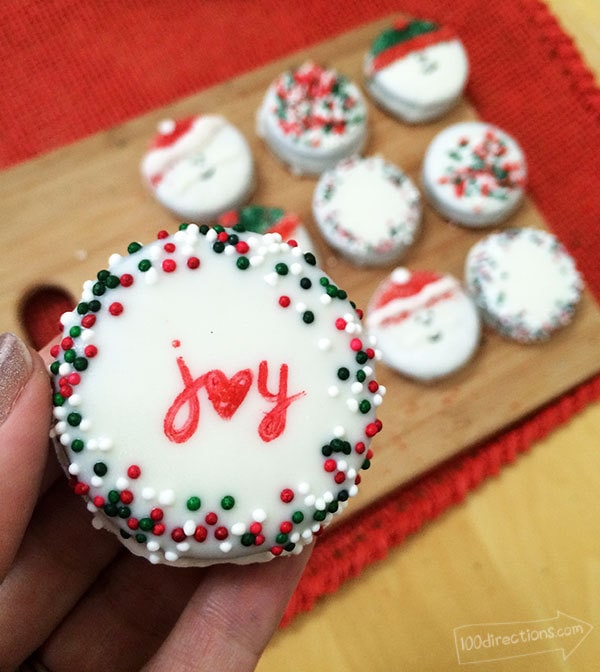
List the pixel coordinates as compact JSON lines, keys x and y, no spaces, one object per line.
{"x":39,"y":312}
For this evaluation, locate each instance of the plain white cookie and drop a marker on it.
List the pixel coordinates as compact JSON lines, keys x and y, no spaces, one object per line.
{"x":474,"y":174}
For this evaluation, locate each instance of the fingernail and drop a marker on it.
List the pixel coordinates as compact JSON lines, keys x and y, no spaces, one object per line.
{"x":16,"y":366}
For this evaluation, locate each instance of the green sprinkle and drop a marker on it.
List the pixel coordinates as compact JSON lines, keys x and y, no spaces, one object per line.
{"x":218,"y":228}
{"x":337,"y":445}
{"x":289,"y":547}
{"x":343,"y":373}
{"x":281,"y":268}
{"x":242,"y":263}
{"x":326,"y":450}
{"x":319,"y":516}
{"x":58,"y":399}
{"x":228,"y":502}
{"x":112,"y":281}
{"x":248,"y":539}
{"x":102,"y":275}
{"x":361,"y":376}
{"x":80,"y":364}
{"x":54,"y":367}
{"x":308,"y":317}
{"x":100,"y":469}
{"x":193,"y":503}
{"x":333,"y":507}
{"x":343,"y":495}
{"x":74,"y":332}
{"x":145,"y":265}
{"x":309,"y":257}
{"x":233,"y":239}
{"x":297,"y":517}
{"x":218,"y":246}
{"x":323,"y":281}
{"x":141,"y":538}
{"x":113,"y":496}
{"x":306,"y":283}
{"x":342,"y":294}
{"x":74,"y":419}
{"x":361,"y":357}
{"x":133,"y":247}
{"x":95,"y":305}
{"x":98,"y":289}
{"x":83,"y":308}
{"x":282,"y":538}
{"x":111,"y":510}
{"x":364,"y":406}
{"x":366,"y":464}
{"x":77,"y":445}
{"x":124,"y":534}
{"x":183,"y":226}
{"x":124,"y":512}
{"x":70,"y":356}
{"x":331,"y":291}
{"x":204,"y":229}
{"x":146,"y":524}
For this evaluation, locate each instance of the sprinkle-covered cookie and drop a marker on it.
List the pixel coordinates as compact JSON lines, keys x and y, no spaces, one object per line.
{"x":474,"y":174}
{"x":199,"y":167}
{"x":426,"y":326}
{"x":312,"y":117}
{"x":264,"y":219}
{"x":416,"y":69}
{"x":368,"y":209}
{"x":214,"y":397}
{"x":524,"y":282}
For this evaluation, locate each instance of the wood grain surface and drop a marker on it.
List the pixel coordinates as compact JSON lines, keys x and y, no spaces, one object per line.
{"x":64,"y":213}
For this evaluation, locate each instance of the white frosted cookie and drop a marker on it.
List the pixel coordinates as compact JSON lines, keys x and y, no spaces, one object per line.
{"x":312,"y":117}
{"x":199,"y":167}
{"x":264,"y":219}
{"x":368,"y":209}
{"x":524,"y":282}
{"x":214,"y":397}
{"x":474,"y":174}
{"x":426,"y":325}
{"x":416,"y":70}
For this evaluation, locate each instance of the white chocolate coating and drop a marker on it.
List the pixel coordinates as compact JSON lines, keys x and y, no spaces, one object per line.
{"x":524,"y":282}
{"x":311,"y":118}
{"x":368,"y":209}
{"x":422,"y":85}
{"x":426,"y":326}
{"x":203,"y":378}
{"x":205,"y":171}
{"x":474,"y":174}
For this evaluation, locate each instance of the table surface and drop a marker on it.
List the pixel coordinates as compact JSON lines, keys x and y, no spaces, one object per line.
{"x":512,"y":574}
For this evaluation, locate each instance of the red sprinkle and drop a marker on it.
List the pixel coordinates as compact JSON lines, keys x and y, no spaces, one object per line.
{"x":211,"y":518}
{"x":98,"y":501}
{"x":156,"y":514}
{"x":340,"y":477}
{"x":54,"y":350}
{"x":81,"y":488}
{"x":201,"y":533}
{"x":256,"y":528}
{"x":66,"y":343}
{"x":371,"y":429}
{"x":373,"y":386}
{"x":133,"y":523}
{"x":223,"y":236}
{"x":126,"y":496}
{"x":193,"y":263}
{"x":276,"y":550}
{"x":370,"y":353}
{"x":162,"y":234}
{"x":90,"y":350}
{"x":286,"y":527}
{"x":259,"y":540}
{"x":287,"y":495}
{"x":74,"y":378}
{"x":88,"y":321}
{"x":242,"y":247}
{"x":169,"y":248}
{"x":169,"y":265}
{"x":360,"y":447}
{"x":134,"y":471}
{"x":178,"y":535}
{"x":330,"y":465}
{"x":221,"y":533}
{"x":284,"y":301}
{"x":356,"y":344}
{"x":115,"y":308}
{"x":158,"y":529}
{"x":340,"y":324}
{"x":126,"y":281}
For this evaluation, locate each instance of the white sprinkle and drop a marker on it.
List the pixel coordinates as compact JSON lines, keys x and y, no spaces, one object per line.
{"x":230,"y":250}
{"x":307,"y":535}
{"x":97,"y":523}
{"x":320,"y":504}
{"x":259,"y":515}
{"x":171,"y":556}
{"x":382,"y":390}
{"x":122,"y":483}
{"x":189,"y":527}
{"x":74,"y":469}
{"x":60,"y":412}
{"x":96,"y":481}
{"x":342,"y":465}
{"x":295,"y":537}
{"x":316,"y":527}
{"x":105,"y":443}
{"x":328,"y":496}
{"x":339,"y":431}
{"x":324,"y":344}
{"x":351,"y":474}
{"x":166,"y":126}
{"x":166,"y":497}
{"x":225,"y":546}
{"x":114,"y":259}
{"x":256,"y":260}
{"x":180,"y":236}
{"x":309,"y":500}
{"x":154,"y":252}
{"x":91,"y":507}
{"x":368,"y":370}
{"x":273,"y":248}
{"x":75,"y":400}
{"x":87,"y":335}
{"x":64,"y":369}
{"x":153,"y":545}
{"x":65,"y":318}
{"x":85,"y":424}
{"x":325,"y":299}
{"x":296,"y":252}
{"x":183,"y":547}
{"x":238,"y":529}
{"x":211,"y":235}
{"x":296,"y":268}
{"x":377,"y":400}
{"x":153,"y":558}
{"x":351,"y":328}
{"x":300,"y":307}
{"x":272,"y":279}
{"x":61,"y":426}
{"x":297,"y":550}
{"x":148,"y":493}
{"x":92,"y":444}
{"x":352,"y":491}
{"x":192,"y":230}
{"x":333,"y":391}
{"x":303,"y":488}
{"x":65,"y":439}
{"x":356,"y":387}
{"x":349,"y":317}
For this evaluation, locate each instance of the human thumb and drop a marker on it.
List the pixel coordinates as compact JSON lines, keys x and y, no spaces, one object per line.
{"x":25,"y":411}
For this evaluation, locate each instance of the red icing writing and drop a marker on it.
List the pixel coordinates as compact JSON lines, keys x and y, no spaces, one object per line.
{"x":226,"y":396}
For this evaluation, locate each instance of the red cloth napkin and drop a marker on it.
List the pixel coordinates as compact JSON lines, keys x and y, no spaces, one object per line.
{"x":71,"y":69}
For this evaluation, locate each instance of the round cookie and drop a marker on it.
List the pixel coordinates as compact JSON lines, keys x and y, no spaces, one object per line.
{"x":425,"y":324}
{"x":416,"y":70}
{"x":368,"y":209}
{"x":199,"y":167}
{"x":474,"y":174}
{"x":264,"y":219}
{"x":312,"y":117}
{"x":524,"y":282}
{"x":214,"y":397}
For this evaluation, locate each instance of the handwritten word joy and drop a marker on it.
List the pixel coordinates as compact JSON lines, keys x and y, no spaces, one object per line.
{"x":226,"y":396}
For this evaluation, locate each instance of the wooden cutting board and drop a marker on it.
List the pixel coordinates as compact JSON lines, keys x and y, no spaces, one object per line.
{"x":65,"y":212}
